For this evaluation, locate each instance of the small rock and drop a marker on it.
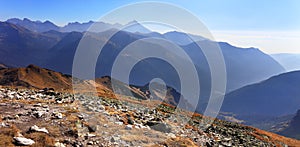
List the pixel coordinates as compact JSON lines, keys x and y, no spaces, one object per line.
{"x":101,"y":107}
{"x":23,"y":141}
{"x":128,"y":127}
{"x":171,"y":135}
{"x":58,"y":115}
{"x":92,"y":128}
{"x":37,"y":129}
{"x":39,"y":114}
{"x":88,"y":135}
{"x":119,"y":123}
{"x":159,"y":126}
{"x":113,"y":139}
{"x":130,"y":121}
{"x":4,"y":124}
{"x":80,"y":116}
{"x":58,"y":144}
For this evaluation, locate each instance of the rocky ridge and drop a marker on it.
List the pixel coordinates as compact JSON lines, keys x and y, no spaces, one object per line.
{"x":49,"y":118}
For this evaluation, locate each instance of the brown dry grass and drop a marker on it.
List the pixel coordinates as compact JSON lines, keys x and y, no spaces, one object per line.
{"x":178,"y":142}
{"x":274,"y":138}
{"x":7,"y":134}
{"x":41,"y":139}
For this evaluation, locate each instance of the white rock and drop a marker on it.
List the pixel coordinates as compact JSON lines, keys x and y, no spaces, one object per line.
{"x":39,"y":114}
{"x":58,"y":144}
{"x":4,"y":125}
{"x":101,"y":107}
{"x":58,"y":115}
{"x":128,"y":127}
{"x":23,"y":141}
{"x":90,"y":135}
{"x":37,"y":129}
{"x":119,"y":123}
{"x":171,"y":135}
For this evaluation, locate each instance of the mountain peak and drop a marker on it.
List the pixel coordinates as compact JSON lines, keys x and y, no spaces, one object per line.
{"x":26,"y":19}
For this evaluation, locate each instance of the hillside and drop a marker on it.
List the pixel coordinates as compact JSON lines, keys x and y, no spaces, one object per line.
{"x":276,"y":96}
{"x":289,"y":61}
{"x":43,"y":118}
{"x":293,"y":128}
{"x":84,"y":119}
{"x":34,"y":77}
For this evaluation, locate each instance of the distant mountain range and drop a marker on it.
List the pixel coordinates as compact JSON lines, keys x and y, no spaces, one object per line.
{"x":268,"y":105}
{"x":55,"y":50}
{"x":276,"y":96}
{"x":40,"y":27}
{"x":290,"y":62}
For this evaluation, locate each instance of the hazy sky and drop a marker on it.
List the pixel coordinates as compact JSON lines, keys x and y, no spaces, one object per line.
{"x":271,"y":25}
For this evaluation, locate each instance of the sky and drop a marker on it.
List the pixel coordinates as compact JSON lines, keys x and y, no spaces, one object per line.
{"x":273,"y":26}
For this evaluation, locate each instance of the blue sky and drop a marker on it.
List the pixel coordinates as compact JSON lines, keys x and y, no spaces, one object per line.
{"x":240,"y":22}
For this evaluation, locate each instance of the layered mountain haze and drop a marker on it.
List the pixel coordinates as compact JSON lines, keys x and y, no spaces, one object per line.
{"x":289,"y":61}
{"x":40,"y":27}
{"x":35,"y":26}
{"x":55,"y":50}
{"x":268,"y":105}
{"x":267,"y":97}
{"x":39,"y":55}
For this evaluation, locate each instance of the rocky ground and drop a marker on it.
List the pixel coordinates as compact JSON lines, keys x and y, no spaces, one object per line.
{"x":49,"y":118}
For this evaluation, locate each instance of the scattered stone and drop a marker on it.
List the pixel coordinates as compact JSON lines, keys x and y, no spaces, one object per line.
{"x":58,"y":144}
{"x":39,"y":114}
{"x":92,"y":128}
{"x":171,"y":135}
{"x":159,"y":126}
{"x":88,"y":135}
{"x":128,"y":127}
{"x":23,"y":141}
{"x":3,"y":124}
{"x":58,"y":115}
{"x":37,"y":129}
{"x":119,"y":123}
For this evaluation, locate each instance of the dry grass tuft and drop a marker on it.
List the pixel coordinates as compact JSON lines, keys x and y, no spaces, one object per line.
{"x":179,"y":142}
{"x":274,"y":138}
{"x":41,"y":139}
{"x":6,"y":136}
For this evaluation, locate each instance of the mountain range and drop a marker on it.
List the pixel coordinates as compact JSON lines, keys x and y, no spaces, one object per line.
{"x":289,"y":61}
{"x":257,"y":86}
{"x":22,"y":45}
{"x":269,"y":104}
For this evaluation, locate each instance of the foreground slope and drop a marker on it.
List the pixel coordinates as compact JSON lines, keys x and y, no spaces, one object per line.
{"x":56,"y":119}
